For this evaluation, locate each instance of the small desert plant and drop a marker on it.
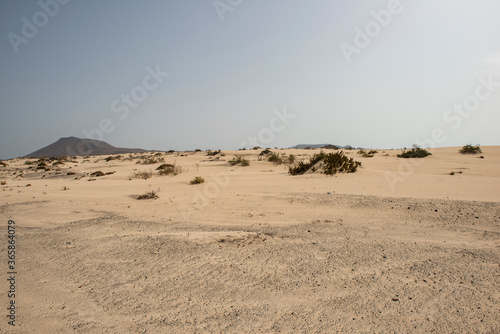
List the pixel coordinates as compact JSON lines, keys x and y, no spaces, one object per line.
{"x":415,"y":152}
{"x":113,"y":157}
{"x":469,"y":149}
{"x":169,"y":169}
{"x":197,"y":150}
{"x":65,"y":188}
{"x":275,"y":157}
{"x":197,"y":180}
{"x":3,"y":183}
{"x":149,"y":195}
{"x":213,"y":153}
{"x":150,"y":160}
{"x":280,"y":159}
{"x":238,"y":159}
{"x":266,"y":152}
{"x":141,"y":174}
{"x":338,"y":162}
{"x":368,"y":154}
{"x":333,"y":163}
{"x":42,"y":165}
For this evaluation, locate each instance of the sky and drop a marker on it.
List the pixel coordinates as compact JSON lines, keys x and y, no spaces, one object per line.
{"x":227,"y":74}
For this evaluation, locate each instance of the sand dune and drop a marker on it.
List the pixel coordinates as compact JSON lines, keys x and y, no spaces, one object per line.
{"x":399,"y":246}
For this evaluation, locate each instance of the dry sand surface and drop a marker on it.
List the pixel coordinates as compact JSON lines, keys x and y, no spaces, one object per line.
{"x":254,"y":249}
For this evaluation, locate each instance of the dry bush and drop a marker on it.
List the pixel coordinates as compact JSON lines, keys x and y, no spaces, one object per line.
{"x":149,"y":195}
{"x":197,"y":180}
{"x":143,"y":174}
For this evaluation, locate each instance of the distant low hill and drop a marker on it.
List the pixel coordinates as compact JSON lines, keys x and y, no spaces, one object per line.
{"x":303,"y":146}
{"x":72,"y":146}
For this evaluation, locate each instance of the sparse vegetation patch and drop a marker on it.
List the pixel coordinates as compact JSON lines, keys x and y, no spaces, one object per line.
{"x":149,"y":195}
{"x":150,"y":160}
{"x":238,"y":159}
{"x":415,"y":152}
{"x":333,"y":163}
{"x":141,"y":174}
{"x":169,"y":169}
{"x":113,"y":157}
{"x":469,"y":149}
{"x":279,"y":159}
{"x":197,"y":180}
{"x":211,"y":153}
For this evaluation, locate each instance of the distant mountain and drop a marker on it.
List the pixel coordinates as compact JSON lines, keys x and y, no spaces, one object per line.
{"x":72,"y":146}
{"x":303,"y":146}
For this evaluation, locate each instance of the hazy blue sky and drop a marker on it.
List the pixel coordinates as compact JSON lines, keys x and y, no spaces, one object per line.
{"x":230,"y":63}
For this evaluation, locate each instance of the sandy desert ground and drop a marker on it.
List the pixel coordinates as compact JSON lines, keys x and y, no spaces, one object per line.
{"x":254,"y":249}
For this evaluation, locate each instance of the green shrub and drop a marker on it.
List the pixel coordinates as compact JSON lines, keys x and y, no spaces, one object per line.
{"x":238,"y":159}
{"x":275,"y":157}
{"x":169,"y":169}
{"x":150,"y":160}
{"x":113,"y":157}
{"x":415,"y":152}
{"x":469,"y":149}
{"x":212,"y":153}
{"x":197,"y":180}
{"x":280,"y":159}
{"x":368,"y":154}
{"x":42,"y":165}
{"x":334,"y":163}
